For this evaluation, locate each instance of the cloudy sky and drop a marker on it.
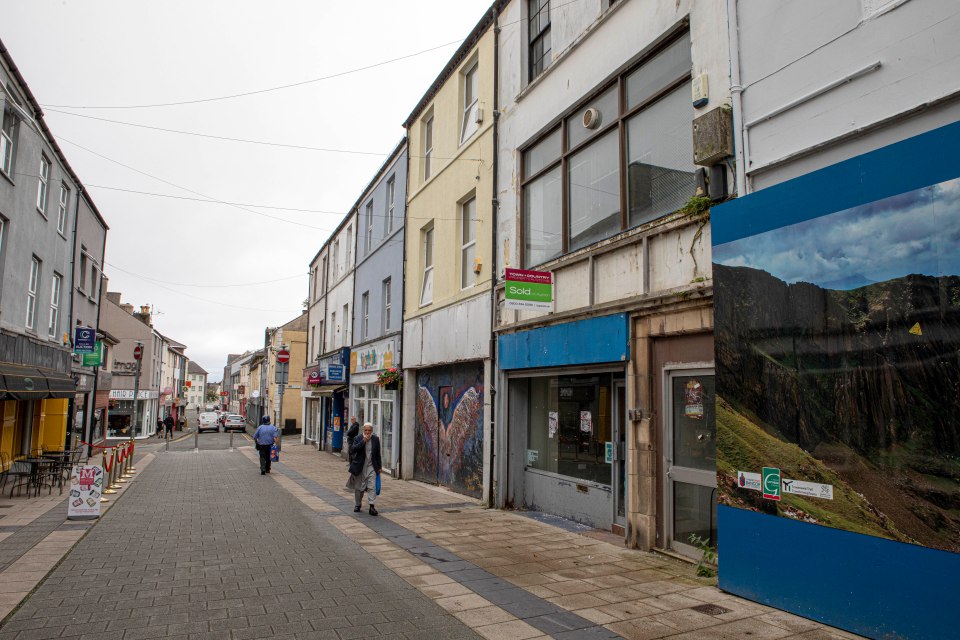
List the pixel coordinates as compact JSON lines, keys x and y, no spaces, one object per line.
{"x":914,"y":232}
{"x":217,"y":274}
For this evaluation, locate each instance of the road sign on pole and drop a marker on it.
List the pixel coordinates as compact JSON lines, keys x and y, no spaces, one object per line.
{"x":138,"y":352}
{"x":283,"y":356}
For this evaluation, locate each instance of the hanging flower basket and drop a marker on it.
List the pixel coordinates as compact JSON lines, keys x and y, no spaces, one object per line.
{"x":390,"y":379}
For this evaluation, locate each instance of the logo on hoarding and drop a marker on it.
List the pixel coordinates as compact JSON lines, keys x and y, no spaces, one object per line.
{"x":771,"y":483}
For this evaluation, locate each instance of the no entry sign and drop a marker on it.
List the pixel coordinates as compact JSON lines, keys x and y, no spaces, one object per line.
{"x":137,"y":352}
{"x":283,"y":356}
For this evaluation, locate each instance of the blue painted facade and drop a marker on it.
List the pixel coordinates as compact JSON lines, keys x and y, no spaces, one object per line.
{"x":582,"y":342}
{"x":867,"y":584}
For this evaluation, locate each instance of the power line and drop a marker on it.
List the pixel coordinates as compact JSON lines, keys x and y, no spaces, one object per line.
{"x":211,"y":286}
{"x":257,"y":91}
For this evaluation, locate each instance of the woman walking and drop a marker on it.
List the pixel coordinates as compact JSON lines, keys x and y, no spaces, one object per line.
{"x":365,"y":468}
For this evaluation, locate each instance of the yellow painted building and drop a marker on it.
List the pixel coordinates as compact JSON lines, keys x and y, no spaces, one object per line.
{"x":446,"y":355}
{"x":293,"y":335}
{"x":27,"y":425}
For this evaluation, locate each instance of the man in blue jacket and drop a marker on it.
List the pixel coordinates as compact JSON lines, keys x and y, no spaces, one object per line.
{"x":265,"y":437}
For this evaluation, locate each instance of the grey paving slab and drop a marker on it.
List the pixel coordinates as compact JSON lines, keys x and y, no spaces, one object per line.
{"x":202,"y":545}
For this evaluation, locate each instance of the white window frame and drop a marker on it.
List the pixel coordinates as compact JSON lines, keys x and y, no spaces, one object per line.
{"x":387,"y":304}
{"x":391,"y":198}
{"x":469,"y":78}
{"x":346,"y":324}
{"x":94,"y":280}
{"x":56,"y":284}
{"x":368,"y":240}
{"x":63,"y":208}
{"x":428,"y":146}
{"x":82,"y":286}
{"x":365,"y":315}
{"x":32,"y":285}
{"x":335,"y":264}
{"x":349,"y":248}
{"x":6,"y":141}
{"x":426,"y":282}
{"x":468,"y":222}
{"x":42,"y":181}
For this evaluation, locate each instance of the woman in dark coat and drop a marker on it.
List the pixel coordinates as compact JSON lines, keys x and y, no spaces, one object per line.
{"x":365,"y":466}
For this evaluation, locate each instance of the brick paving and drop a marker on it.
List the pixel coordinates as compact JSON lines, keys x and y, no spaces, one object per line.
{"x":202,"y":546}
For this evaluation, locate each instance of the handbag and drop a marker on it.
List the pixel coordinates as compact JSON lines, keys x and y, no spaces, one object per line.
{"x":274,"y":453}
{"x":378,"y":484}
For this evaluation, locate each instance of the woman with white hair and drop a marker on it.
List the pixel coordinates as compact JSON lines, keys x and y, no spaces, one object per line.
{"x":365,"y":468}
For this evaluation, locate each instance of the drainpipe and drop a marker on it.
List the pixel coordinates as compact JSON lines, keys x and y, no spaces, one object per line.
{"x":736,"y":97}
{"x":493,"y":275}
{"x":71,"y":408}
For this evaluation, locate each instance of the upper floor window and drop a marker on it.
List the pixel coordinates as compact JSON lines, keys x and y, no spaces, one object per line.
{"x":323,"y":275}
{"x":348,"y":250}
{"x":54,"y":328}
{"x":7,"y":138}
{"x":62,"y":210}
{"x":391,"y":199}
{"x":346,"y":325}
{"x":427,"y":147}
{"x":387,"y":304}
{"x":83,"y":269}
{"x":470,"y":102}
{"x":572,"y":176}
{"x":468,"y":241}
{"x":368,"y":238}
{"x":94,"y":281}
{"x":43,"y":178}
{"x":539,"y":36}
{"x":32,"y":285}
{"x":365,"y":315}
{"x":426,"y":284}
{"x":335,"y":260}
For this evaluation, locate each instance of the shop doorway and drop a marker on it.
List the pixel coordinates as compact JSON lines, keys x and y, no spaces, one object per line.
{"x":690,"y":446}
{"x":619,"y":456}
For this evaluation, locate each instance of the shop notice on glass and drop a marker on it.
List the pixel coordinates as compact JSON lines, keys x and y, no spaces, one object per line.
{"x":86,"y":484}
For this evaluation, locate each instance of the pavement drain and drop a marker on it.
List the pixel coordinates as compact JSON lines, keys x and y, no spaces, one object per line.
{"x":711,"y":609}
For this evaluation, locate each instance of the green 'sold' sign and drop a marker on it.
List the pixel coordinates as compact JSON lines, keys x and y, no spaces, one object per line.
{"x":93,"y":359}
{"x":528,"y":289}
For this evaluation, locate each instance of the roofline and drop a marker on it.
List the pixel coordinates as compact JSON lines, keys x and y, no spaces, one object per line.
{"x":469,"y":42}
{"x":51,"y":139}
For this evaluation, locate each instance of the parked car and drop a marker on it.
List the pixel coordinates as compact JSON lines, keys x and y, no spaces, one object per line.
{"x":234,"y":423}
{"x":208,"y":421}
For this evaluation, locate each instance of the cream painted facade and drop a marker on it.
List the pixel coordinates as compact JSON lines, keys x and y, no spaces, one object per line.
{"x":446,"y":331}
{"x":292,"y":336}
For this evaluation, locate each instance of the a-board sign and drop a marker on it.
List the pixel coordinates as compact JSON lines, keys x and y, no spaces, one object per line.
{"x":86,"y":485}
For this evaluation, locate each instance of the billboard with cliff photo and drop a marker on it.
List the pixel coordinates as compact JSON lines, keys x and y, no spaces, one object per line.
{"x":838,"y":362}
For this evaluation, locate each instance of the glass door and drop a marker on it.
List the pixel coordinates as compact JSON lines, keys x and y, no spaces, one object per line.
{"x":619,"y":453}
{"x":690,"y":460}
{"x":386,"y":420}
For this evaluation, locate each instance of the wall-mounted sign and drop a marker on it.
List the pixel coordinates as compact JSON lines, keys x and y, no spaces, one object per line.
{"x":528,"y":290}
{"x":334,"y":373}
{"x":127,"y":394}
{"x":375,"y":357}
{"x":84,"y":339}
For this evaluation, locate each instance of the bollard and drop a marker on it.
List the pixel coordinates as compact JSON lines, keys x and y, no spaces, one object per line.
{"x":196,"y":440}
{"x":133,"y":448}
{"x":231,"y":441}
{"x":113,"y":470}
{"x":128,"y":461}
{"x":118,"y":478}
{"x":105,"y":487}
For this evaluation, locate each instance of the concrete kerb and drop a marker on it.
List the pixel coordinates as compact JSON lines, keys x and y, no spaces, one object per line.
{"x":146,"y":459}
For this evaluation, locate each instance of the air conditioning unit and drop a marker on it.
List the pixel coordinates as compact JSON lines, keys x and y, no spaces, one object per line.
{"x":592,"y":118}
{"x":479,"y":116}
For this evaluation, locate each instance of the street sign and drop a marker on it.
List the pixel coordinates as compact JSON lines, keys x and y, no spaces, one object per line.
{"x":185,"y":389}
{"x":771,"y":483}
{"x":335,"y":372}
{"x":138,"y":352}
{"x":283,"y":356}
{"x":188,"y":384}
{"x":224,"y":394}
{"x":84,"y":340}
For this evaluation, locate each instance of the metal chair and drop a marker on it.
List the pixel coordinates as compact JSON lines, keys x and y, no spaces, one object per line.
{"x":22,"y":475}
{"x":50,"y":475}
{"x":4,"y":469}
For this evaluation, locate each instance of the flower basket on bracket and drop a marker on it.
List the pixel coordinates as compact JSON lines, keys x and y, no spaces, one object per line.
{"x":390,"y":379}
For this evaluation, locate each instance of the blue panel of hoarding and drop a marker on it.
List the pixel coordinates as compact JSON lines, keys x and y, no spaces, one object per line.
{"x":590,"y":341}
{"x":864,"y":584}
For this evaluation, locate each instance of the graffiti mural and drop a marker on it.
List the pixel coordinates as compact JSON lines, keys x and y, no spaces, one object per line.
{"x":449,"y":428}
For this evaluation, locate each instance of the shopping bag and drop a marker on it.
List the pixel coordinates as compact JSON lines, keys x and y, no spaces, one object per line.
{"x":274,"y":453}
{"x":378,"y":484}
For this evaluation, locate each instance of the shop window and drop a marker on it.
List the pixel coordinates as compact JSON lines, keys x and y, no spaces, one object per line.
{"x":569,"y":423}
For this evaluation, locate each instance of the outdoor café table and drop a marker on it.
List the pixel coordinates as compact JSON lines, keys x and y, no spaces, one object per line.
{"x":34,"y":471}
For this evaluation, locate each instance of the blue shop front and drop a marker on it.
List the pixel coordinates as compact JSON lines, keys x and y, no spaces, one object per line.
{"x":326,"y":398}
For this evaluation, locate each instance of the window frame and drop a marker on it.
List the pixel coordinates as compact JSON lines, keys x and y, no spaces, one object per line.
{"x":426,"y":241}
{"x":428,"y":143}
{"x":368,"y":236}
{"x":387,"y":300}
{"x":465,"y":245}
{"x":43,"y":180}
{"x":63,"y":208}
{"x":619,"y":122}
{"x":56,"y":286}
{"x":391,"y":204}
{"x":365,"y":315}
{"x":535,"y":68}
{"x":33,"y":285}
{"x":469,"y":125}
{"x":8,"y":135}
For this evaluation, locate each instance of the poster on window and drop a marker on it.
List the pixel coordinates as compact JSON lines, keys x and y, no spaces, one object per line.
{"x":693,"y":400}
{"x":586,"y":422}
{"x":553,"y":420}
{"x":86,"y":484}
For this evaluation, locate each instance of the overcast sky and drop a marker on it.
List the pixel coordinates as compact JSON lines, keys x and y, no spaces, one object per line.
{"x":110,"y":53}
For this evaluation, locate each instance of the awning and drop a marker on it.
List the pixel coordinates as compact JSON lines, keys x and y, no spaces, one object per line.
{"x":18,"y":382}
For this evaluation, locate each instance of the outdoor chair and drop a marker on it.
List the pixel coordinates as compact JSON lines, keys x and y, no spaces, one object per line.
{"x":22,"y":477}
{"x":49,"y":475}
{"x":4,"y":469}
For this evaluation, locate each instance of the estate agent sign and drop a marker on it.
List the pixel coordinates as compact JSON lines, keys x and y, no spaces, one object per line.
{"x":529,"y":290}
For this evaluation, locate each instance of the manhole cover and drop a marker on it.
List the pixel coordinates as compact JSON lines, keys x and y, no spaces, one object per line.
{"x":711,"y":609}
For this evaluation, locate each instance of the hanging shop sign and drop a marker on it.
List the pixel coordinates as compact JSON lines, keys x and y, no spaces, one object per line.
{"x":93,"y":358}
{"x":529,"y":290}
{"x":86,"y":485}
{"x":84,"y":340}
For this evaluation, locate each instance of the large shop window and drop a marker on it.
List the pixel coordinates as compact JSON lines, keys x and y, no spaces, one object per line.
{"x":569,"y":423}
{"x":633,"y":136}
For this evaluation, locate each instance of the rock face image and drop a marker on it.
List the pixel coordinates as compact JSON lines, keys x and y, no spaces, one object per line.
{"x":856,"y":386}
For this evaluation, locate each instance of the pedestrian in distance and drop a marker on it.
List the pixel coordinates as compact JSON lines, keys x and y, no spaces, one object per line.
{"x":160,"y":428}
{"x":168,"y":426}
{"x":365,"y":467}
{"x":265,"y":437}
{"x":350,"y":436}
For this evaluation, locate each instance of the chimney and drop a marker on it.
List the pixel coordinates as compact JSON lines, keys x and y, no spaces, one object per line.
{"x":126,"y":306}
{"x":114,"y":297}
{"x":144,"y":315}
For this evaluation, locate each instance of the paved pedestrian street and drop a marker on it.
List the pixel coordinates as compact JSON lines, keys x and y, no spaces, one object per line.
{"x":200,"y":545}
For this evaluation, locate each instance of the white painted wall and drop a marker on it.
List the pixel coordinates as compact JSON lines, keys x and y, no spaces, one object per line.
{"x":792,"y":48}
{"x":451,"y":334}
